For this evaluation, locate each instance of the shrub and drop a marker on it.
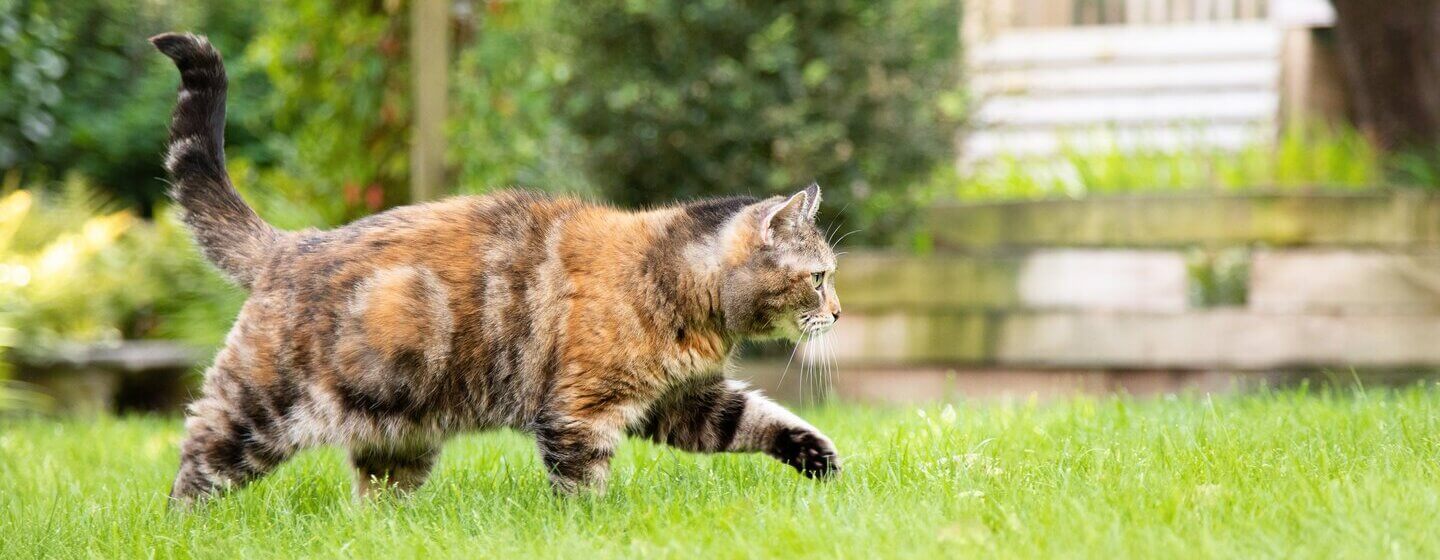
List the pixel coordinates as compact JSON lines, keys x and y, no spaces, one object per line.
{"x":73,"y":270}
{"x":85,"y":92}
{"x":684,"y":99}
{"x":339,"y":73}
{"x":504,"y":130}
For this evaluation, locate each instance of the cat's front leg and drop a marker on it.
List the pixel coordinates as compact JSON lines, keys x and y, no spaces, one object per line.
{"x":770,"y":428}
{"x":576,"y":449}
{"x":716,"y":414}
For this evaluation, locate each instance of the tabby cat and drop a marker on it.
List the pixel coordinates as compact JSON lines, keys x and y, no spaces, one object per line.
{"x":575,"y":322}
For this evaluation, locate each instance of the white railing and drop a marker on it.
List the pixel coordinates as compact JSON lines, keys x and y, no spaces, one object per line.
{"x":1084,"y":75}
{"x":1004,"y":14}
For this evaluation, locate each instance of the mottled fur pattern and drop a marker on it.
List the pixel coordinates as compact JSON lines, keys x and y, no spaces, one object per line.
{"x":575,"y":322}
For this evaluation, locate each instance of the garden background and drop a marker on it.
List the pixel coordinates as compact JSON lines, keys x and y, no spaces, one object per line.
{"x":1121,"y":277}
{"x":1118,"y":222}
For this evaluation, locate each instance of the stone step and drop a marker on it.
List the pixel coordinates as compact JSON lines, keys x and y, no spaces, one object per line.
{"x":1385,"y":219}
{"x":1047,"y":279}
{"x":1280,"y":281}
{"x":1345,"y":281}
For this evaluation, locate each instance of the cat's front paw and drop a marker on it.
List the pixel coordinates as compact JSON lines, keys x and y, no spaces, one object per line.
{"x":807,"y":451}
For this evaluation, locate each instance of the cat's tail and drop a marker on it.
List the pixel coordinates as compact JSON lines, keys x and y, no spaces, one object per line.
{"x":229,"y":232}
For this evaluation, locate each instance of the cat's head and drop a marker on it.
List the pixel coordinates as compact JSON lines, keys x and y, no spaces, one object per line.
{"x":779,"y":271}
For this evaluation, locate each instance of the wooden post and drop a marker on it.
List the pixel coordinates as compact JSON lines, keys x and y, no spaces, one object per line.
{"x":429,"y":64}
{"x":1297,"y":51}
{"x":982,"y":20}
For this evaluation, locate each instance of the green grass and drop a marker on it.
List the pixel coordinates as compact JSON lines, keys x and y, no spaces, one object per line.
{"x":1282,"y":474}
{"x":1314,"y":158}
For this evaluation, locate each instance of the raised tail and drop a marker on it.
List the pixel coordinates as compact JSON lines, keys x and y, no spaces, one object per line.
{"x":229,"y":232}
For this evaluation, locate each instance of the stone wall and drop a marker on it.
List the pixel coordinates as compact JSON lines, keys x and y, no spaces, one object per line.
{"x":1146,"y":294}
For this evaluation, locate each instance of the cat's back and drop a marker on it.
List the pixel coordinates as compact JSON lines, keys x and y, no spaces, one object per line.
{"x":377,"y":310}
{"x":451,"y":236}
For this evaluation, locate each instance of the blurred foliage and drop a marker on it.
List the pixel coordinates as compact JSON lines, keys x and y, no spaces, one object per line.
{"x":640,"y":101}
{"x":58,"y":262}
{"x":1415,"y":167}
{"x":17,"y":397}
{"x":1218,"y":277}
{"x":504,"y":129}
{"x":317,"y":114}
{"x":1311,"y":158}
{"x":339,"y":73}
{"x":679,"y":99}
{"x":75,"y":269}
{"x":84,"y":91}
{"x":701,"y":99}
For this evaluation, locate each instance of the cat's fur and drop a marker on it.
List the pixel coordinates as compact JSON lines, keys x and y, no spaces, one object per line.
{"x":575,"y":322}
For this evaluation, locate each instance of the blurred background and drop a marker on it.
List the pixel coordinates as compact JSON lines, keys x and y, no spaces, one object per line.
{"x":1036,"y":198}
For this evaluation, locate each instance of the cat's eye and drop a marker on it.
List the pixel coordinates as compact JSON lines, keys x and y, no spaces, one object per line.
{"x":817,"y":279}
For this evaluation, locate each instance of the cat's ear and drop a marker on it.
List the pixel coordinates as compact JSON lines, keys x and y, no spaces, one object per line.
{"x":784,"y":214}
{"x":812,"y":201}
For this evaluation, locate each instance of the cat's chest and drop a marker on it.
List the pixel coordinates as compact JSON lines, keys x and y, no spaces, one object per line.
{"x":695,"y":352}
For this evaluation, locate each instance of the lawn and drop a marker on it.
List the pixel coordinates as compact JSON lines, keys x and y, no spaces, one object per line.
{"x":1275,"y":474}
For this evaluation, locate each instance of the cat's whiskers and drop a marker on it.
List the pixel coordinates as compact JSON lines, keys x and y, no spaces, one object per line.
{"x":834,"y":365}
{"x":815,"y":368}
{"x":836,"y":225}
{"x":829,"y":235}
{"x":803,"y":335}
{"x":806,"y":368}
{"x":842,"y":238}
{"x":825,"y":380}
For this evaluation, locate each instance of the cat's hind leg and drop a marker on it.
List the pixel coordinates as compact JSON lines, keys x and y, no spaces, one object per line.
{"x":227,"y":445}
{"x":402,"y":468}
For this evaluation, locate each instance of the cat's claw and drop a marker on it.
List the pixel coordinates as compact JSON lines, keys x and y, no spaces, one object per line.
{"x":808,"y":452}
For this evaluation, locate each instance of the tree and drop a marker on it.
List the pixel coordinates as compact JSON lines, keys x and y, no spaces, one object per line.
{"x":1391,"y":54}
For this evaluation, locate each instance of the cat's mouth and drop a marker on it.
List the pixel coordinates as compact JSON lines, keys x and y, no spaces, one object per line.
{"x":816,"y":324}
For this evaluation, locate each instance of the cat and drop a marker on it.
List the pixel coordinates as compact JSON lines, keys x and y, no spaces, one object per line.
{"x":572,"y":321}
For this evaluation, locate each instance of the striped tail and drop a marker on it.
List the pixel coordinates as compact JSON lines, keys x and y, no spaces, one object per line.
{"x":229,"y":232}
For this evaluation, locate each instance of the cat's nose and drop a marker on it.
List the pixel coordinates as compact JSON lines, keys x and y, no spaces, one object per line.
{"x":835,"y":316}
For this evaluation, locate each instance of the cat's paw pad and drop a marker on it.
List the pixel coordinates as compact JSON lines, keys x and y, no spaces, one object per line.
{"x":806,"y":451}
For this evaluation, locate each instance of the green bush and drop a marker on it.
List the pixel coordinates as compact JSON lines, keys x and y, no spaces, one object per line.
{"x":84,"y":92}
{"x":339,"y":73}
{"x":705,"y":99}
{"x":504,"y":130}
{"x":676,"y":98}
{"x":73,"y":269}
